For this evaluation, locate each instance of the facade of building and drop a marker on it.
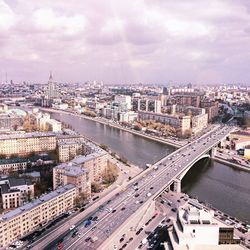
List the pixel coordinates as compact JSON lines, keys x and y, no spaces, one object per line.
{"x":10,"y":121}
{"x":68,"y":150}
{"x":126,"y":99}
{"x":26,"y":143}
{"x":176,"y":121}
{"x":150,"y":105}
{"x":15,"y":191}
{"x":128,"y":117}
{"x":44,"y":122}
{"x":52,"y":91}
{"x":199,"y":122}
{"x":67,"y":173}
{"x":188,"y":99}
{"x":22,"y":163}
{"x":247,"y":152}
{"x":23,"y":220}
{"x":189,"y":110}
{"x":211,"y":107}
{"x":71,"y":146}
{"x":95,"y":163}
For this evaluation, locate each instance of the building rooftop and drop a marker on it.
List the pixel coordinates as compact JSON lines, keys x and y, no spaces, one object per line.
{"x":14,"y":182}
{"x":82,"y":158}
{"x":245,"y":132}
{"x":70,"y":169}
{"x":36,"y":202}
{"x":26,"y":135}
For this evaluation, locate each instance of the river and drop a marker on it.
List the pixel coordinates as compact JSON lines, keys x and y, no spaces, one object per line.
{"x":224,"y":187}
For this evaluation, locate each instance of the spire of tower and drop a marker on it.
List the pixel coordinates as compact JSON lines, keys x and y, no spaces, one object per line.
{"x":50,"y":76}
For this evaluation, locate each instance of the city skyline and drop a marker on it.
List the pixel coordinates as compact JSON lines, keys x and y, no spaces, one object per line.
{"x":118,"y":42}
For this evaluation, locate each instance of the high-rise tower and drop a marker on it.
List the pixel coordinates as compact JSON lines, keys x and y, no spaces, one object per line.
{"x":52,"y":88}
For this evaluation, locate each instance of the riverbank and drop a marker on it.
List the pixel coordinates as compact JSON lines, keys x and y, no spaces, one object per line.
{"x":231,"y":164}
{"x":168,"y":142}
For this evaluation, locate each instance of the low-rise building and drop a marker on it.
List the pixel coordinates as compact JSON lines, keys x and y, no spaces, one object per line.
{"x":247,"y":152}
{"x":15,"y":191}
{"x":128,"y":117}
{"x":23,"y":220}
{"x":21,"y":163}
{"x":196,"y":228}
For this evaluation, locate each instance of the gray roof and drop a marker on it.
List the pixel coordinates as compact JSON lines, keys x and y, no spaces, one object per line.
{"x":13,"y":182}
{"x":26,"y":135}
{"x":71,"y":170}
{"x":82,"y":158}
{"x":36,"y":202}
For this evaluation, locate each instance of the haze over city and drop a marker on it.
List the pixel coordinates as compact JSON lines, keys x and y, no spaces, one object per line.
{"x":125,"y":41}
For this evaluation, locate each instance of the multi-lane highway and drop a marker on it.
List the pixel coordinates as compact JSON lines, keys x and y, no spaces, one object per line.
{"x":113,"y":213}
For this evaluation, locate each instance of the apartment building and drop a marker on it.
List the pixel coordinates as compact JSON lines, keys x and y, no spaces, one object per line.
{"x":176,"y":121}
{"x":125,"y":99}
{"x":14,"y":164}
{"x":26,"y":143}
{"x":199,"y":122}
{"x":44,"y":122}
{"x":15,"y":191}
{"x":95,"y":163}
{"x":188,"y":99}
{"x":211,"y":107}
{"x":23,"y":220}
{"x":67,"y":173}
{"x":68,"y":150}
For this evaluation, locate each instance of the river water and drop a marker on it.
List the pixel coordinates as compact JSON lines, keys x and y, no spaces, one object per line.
{"x":224,"y":187}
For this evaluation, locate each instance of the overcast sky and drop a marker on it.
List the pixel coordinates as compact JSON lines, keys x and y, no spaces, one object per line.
{"x":118,"y":41}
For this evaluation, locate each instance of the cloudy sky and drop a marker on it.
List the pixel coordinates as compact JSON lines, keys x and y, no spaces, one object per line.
{"x":117,"y":41}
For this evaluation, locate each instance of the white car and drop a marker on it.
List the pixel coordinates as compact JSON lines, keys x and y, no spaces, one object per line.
{"x":72,"y":227}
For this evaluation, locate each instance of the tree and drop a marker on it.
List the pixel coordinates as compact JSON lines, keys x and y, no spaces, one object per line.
{"x":96,"y":187}
{"x":123,"y":159}
{"x":80,"y":199}
{"x":104,"y":147}
{"x":110,"y":174}
{"x":138,"y":127}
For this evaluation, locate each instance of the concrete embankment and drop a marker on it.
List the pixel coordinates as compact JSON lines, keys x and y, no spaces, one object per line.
{"x":231,"y":164}
{"x":100,"y":120}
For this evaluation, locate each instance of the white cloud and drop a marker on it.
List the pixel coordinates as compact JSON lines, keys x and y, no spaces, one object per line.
{"x":7,"y":16}
{"x":49,"y":20}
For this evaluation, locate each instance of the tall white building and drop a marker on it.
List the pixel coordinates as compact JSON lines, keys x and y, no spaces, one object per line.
{"x":52,"y":91}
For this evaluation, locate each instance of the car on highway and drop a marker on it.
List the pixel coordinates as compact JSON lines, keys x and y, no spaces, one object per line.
{"x":75,"y":233}
{"x":87,"y":223}
{"x":95,"y":198}
{"x":72,"y":227}
{"x":88,"y":239}
{"x":94,"y":239}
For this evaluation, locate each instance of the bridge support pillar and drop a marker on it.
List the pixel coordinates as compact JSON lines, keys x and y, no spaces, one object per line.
{"x":177,"y":186}
{"x":213,"y":152}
